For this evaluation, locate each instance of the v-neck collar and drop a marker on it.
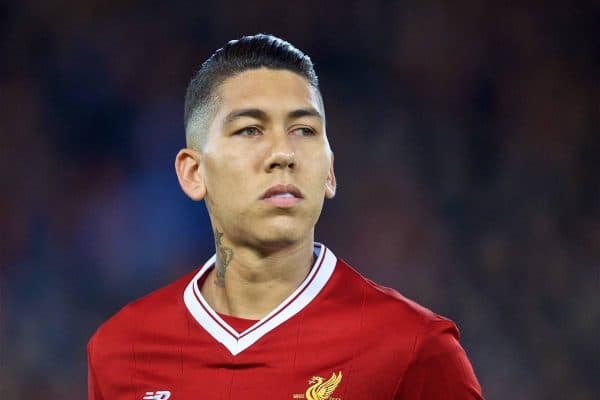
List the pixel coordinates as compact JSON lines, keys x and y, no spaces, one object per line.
{"x":236,"y":342}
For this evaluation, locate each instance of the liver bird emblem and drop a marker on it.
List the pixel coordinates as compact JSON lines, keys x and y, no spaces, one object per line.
{"x":321,"y":389}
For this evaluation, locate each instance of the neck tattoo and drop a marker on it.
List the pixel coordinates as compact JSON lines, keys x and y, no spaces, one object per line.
{"x":224,"y":257}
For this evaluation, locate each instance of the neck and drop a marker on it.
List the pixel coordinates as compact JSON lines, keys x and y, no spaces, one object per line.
{"x":249,"y":283}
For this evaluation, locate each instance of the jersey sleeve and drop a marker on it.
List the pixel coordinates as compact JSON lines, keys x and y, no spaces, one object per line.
{"x":440,"y":368}
{"x":93,"y":385}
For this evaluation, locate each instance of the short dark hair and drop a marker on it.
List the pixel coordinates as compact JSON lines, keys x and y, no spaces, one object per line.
{"x":237,"y":56}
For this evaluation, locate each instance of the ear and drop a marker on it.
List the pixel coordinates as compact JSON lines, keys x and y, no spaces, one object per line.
{"x":330,"y":183}
{"x":189,"y":173}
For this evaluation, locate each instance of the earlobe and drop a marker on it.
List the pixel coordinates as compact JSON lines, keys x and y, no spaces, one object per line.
{"x":189,"y":173}
{"x":330,"y":183}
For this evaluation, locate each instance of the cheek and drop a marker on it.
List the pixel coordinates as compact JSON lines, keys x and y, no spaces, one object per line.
{"x":320,"y":166}
{"x":317,"y":177}
{"x":227,"y":181}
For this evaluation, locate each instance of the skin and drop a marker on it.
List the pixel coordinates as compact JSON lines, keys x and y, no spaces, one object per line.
{"x":268,"y":129}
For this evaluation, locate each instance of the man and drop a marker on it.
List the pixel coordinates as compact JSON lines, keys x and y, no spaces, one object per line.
{"x":272,"y":314}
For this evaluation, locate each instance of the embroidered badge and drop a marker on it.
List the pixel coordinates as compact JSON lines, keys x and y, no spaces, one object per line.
{"x":321,"y":389}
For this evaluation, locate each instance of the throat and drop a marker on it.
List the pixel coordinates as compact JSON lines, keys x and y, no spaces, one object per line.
{"x":251,"y":291}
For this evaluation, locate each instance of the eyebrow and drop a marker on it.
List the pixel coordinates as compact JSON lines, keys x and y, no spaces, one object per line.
{"x":247,"y":112}
{"x":261,"y":115}
{"x":305,"y":112}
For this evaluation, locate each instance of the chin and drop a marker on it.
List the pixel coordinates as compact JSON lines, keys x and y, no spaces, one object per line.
{"x":283,"y":234}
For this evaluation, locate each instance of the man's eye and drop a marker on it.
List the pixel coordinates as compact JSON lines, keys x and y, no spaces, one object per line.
{"x":304,"y":131}
{"x":249,"y":131}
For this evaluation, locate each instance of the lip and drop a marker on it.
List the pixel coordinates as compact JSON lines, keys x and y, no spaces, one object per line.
{"x":282,"y":196}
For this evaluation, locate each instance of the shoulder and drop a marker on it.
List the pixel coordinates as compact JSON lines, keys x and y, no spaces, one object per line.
{"x":425,"y":343}
{"x":403,"y":325}
{"x":390,"y":305}
{"x":161,"y":308}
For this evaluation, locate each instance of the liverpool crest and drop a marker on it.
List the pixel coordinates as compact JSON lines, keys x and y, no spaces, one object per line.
{"x":321,"y":389}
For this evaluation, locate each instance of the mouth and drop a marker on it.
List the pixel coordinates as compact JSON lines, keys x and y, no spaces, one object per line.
{"x":282,"y":196}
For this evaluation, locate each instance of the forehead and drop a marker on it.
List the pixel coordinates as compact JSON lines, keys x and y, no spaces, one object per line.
{"x":267,"y":89}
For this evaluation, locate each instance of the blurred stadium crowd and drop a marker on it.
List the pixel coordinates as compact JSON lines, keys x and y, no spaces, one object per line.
{"x":466,"y":140}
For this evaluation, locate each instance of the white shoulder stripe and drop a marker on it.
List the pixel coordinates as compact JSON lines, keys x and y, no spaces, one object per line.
{"x":237,"y":342}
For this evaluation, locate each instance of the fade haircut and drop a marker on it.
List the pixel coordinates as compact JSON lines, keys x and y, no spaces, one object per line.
{"x":237,"y":56}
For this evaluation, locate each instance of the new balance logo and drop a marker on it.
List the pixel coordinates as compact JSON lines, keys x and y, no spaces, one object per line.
{"x":158,"y":395}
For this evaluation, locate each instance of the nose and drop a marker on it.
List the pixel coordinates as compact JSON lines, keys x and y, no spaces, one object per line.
{"x":281,"y":160}
{"x":282,"y":155}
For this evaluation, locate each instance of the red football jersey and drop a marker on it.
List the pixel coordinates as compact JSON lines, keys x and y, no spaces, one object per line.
{"x":338,"y":336}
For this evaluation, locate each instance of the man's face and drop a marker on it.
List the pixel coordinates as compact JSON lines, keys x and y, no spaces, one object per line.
{"x":266,"y":164}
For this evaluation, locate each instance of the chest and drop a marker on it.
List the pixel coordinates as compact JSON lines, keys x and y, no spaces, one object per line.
{"x":298,"y":362}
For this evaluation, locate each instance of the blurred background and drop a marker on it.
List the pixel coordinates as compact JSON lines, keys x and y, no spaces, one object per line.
{"x":466,"y":138}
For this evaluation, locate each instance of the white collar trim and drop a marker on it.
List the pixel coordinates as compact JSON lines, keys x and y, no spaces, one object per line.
{"x":237,"y":342}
